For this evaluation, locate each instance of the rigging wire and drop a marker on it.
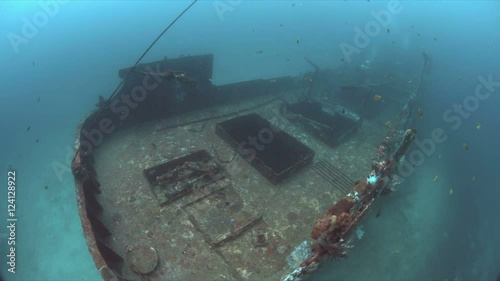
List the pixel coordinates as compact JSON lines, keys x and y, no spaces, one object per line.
{"x":108,"y":101}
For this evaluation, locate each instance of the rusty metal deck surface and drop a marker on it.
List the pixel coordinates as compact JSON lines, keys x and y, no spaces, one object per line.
{"x":241,"y":227}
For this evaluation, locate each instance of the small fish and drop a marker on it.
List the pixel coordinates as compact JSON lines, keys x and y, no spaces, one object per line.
{"x":38,"y":100}
{"x":478,"y":125}
{"x":308,"y":79}
{"x":410,"y":81}
{"x":378,"y":213}
{"x":436,"y":178}
{"x":377,"y":97}
{"x":466,"y":146}
{"x":451,"y":191}
{"x":388,"y":30}
{"x":153,"y":145}
{"x":46,"y":187}
{"x":418,"y":35}
{"x":342,"y":59}
{"x":420,"y":113}
{"x":343,"y":110}
{"x":37,"y":140}
{"x":439,"y":156}
{"x":273,"y":81}
{"x":435,"y":39}
{"x":298,"y":40}
{"x":388,"y":124}
{"x":473,"y":178}
{"x":281,"y":25}
{"x":28,"y":129}
{"x":259,"y":52}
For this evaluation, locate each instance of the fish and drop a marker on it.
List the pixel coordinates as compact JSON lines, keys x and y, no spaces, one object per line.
{"x":377,"y":97}
{"x":38,"y":100}
{"x":308,"y":79}
{"x":298,"y":40}
{"x":420,"y":113}
{"x":473,"y":178}
{"x":478,"y":125}
{"x":466,"y":146}
{"x":451,"y":191}
{"x":343,"y":110}
{"x":378,"y":213}
{"x":388,"y":30}
{"x":37,"y":140}
{"x":436,"y":178}
{"x":28,"y":129}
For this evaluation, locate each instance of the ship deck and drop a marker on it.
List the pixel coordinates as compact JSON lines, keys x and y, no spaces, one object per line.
{"x":238,"y":227}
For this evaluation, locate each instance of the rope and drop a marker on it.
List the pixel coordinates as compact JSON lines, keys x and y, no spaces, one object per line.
{"x":108,"y":101}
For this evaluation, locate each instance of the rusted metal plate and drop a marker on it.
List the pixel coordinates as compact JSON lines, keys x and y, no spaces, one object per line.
{"x":221,"y":217}
{"x":175,"y":179}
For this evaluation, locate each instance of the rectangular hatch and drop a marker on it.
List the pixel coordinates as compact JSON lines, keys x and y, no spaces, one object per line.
{"x":272,"y":152}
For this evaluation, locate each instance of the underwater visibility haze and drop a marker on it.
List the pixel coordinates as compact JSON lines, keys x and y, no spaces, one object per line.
{"x":371,"y":66}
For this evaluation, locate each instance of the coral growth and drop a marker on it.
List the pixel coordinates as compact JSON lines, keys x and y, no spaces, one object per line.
{"x":344,"y":205}
{"x":320,"y":226}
